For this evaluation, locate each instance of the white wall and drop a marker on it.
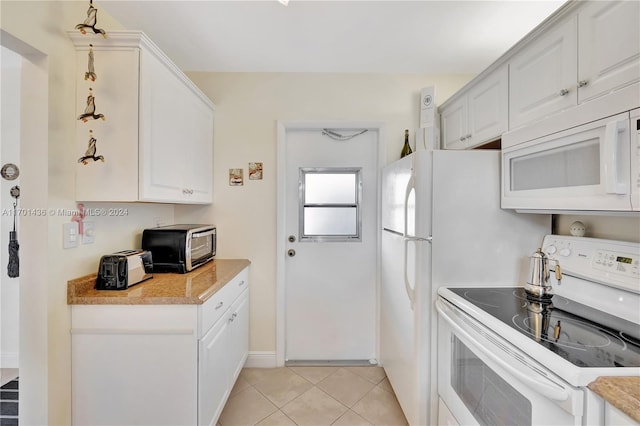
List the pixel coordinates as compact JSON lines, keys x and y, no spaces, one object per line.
{"x":45,"y":315}
{"x":247,"y":108}
{"x":9,"y":153}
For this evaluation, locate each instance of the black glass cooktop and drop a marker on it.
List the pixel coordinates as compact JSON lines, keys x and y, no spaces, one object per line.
{"x":582,"y":335}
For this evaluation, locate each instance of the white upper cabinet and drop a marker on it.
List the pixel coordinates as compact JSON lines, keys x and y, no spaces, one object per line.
{"x":176,"y":164}
{"x":478,"y":115}
{"x":591,"y":53}
{"x":608,"y":47}
{"x":585,"y":59}
{"x":542,"y":76}
{"x":489,"y":108}
{"x":454,"y":125}
{"x":157,"y":139}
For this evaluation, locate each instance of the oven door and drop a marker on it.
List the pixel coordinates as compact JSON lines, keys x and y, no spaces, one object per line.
{"x":201,"y":247}
{"x":583,"y":168}
{"x":484,"y":380}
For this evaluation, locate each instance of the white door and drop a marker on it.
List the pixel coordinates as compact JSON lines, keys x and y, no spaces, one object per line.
{"x":330,"y":242}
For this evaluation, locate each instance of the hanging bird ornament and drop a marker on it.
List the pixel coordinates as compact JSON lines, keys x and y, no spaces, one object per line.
{"x":91,"y":21}
{"x":91,"y":71}
{"x":90,"y":109}
{"x":90,"y":153}
{"x":13,"y":268}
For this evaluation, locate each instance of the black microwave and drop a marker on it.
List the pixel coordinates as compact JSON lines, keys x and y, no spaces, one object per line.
{"x":180,"y":248}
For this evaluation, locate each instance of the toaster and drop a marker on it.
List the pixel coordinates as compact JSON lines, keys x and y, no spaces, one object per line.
{"x":121,"y":270}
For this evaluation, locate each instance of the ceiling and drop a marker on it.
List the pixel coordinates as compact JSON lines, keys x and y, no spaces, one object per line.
{"x":333,"y":36}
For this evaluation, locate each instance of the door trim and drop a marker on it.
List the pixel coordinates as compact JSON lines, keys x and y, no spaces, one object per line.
{"x":282,"y":128}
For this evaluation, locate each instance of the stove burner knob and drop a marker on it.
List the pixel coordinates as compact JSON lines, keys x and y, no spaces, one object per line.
{"x":566,"y":252}
{"x":551,"y":249}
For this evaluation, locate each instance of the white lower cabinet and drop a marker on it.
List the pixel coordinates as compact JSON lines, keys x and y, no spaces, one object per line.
{"x":221,"y":356}
{"x":615,"y":417}
{"x":158,"y":364}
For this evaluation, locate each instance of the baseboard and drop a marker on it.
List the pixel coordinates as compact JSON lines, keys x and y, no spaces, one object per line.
{"x":9,"y":360}
{"x":260,"y":359}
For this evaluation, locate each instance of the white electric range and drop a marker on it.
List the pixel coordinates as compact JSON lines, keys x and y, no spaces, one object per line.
{"x":504,"y":358}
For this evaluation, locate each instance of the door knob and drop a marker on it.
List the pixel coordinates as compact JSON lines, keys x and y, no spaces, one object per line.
{"x":291,"y":252}
{"x":292,"y":238}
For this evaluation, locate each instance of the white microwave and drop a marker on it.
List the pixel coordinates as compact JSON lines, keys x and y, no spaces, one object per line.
{"x":592,"y":167}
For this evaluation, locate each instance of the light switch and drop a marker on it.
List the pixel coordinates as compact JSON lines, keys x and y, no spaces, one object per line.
{"x":70,"y":235}
{"x":88,"y":236}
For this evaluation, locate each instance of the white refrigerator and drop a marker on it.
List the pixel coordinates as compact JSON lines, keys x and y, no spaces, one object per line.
{"x":441,"y":226}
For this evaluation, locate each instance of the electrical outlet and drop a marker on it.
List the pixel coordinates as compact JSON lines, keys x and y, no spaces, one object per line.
{"x":159,"y":221}
{"x":88,"y":235}
{"x":70,"y":235}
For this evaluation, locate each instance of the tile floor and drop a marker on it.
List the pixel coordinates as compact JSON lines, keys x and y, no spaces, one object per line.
{"x":312,"y":396}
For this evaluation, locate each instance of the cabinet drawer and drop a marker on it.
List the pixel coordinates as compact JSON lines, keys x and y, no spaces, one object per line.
{"x":218,"y":304}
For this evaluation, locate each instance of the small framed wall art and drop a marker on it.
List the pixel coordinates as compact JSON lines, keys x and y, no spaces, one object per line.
{"x":255,"y":171}
{"x":236,"y":177}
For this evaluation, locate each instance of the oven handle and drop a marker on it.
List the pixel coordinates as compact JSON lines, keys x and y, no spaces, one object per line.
{"x":549,"y":391}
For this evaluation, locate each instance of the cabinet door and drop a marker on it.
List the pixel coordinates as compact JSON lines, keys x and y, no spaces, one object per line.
{"x":239,"y":345}
{"x":454,"y":124}
{"x":138,"y":376}
{"x":213,"y":372}
{"x":609,"y":47}
{"x":198,"y":150}
{"x":615,"y":417}
{"x":162,"y":149}
{"x":116,"y":96}
{"x":542,"y":76}
{"x":488,"y":108}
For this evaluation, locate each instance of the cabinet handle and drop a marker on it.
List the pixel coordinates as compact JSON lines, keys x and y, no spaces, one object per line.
{"x":468,"y":136}
{"x":564,"y":92}
{"x":219,"y":306}
{"x":462,"y":138}
{"x":233,"y":317}
{"x":187,"y":191}
{"x":582,"y":83}
{"x":241,"y":283}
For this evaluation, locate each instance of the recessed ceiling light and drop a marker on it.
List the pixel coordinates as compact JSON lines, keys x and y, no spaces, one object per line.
{"x":285,"y":2}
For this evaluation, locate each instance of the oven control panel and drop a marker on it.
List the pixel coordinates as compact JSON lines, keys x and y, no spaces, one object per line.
{"x":616,"y":263}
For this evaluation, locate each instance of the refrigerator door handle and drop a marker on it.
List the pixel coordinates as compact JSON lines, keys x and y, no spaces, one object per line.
{"x":427,"y":239}
{"x":407,"y":194}
{"x":407,"y":285}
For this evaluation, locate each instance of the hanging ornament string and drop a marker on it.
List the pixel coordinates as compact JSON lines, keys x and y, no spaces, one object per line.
{"x":90,"y":109}
{"x":13,"y":268}
{"x":91,"y":22}
{"x":91,"y":71}
{"x":89,"y":25}
{"x":90,"y":153}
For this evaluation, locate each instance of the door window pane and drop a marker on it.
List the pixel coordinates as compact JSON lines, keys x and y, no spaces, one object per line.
{"x":334,"y":188}
{"x":330,"y":221}
{"x":330,"y":204}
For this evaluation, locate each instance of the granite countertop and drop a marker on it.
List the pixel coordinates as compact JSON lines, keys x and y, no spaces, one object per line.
{"x":621,"y":392}
{"x":192,"y":288}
